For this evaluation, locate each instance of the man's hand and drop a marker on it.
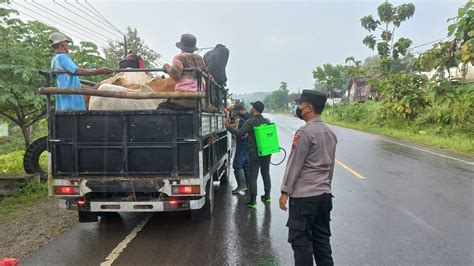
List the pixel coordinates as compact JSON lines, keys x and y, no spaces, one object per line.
{"x":226,"y":122}
{"x":104,"y":71}
{"x":282,"y":201}
{"x":235,"y":124}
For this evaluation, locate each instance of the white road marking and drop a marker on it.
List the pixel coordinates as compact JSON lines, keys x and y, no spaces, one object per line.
{"x":122,"y":245}
{"x":427,"y":151}
{"x":408,"y":146}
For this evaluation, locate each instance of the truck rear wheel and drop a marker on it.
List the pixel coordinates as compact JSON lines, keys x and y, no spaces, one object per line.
{"x":206,"y":211}
{"x":88,"y":217}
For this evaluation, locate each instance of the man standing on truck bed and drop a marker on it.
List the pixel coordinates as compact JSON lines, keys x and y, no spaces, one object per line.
{"x":62,"y":62}
{"x":256,"y":162}
{"x":216,"y":62}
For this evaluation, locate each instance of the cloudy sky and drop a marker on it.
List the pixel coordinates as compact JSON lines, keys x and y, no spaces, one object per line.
{"x":269,"y":41}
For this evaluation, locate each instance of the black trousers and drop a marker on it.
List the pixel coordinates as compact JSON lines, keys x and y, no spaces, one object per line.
{"x":309,"y":229}
{"x":257,"y":163}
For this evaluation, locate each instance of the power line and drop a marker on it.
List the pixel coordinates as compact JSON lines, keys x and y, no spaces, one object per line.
{"x":97,"y":14}
{"x":55,"y":22}
{"x":105,"y":19}
{"x":421,"y":45}
{"x":82,"y":11}
{"x":50,"y":12}
{"x":47,"y":24}
{"x":116,"y":35}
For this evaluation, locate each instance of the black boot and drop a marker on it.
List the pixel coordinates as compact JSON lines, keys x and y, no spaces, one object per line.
{"x":240,"y":178}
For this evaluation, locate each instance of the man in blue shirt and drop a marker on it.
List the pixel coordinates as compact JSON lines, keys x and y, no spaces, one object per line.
{"x":62,"y":62}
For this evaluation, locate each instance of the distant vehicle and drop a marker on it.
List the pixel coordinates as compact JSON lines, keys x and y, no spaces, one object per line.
{"x":104,"y":162}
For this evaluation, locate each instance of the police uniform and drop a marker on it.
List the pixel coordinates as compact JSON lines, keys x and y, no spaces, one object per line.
{"x":307,"y":181}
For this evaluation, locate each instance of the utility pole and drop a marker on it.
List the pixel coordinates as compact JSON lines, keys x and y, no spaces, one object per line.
{"x":125,"y":45}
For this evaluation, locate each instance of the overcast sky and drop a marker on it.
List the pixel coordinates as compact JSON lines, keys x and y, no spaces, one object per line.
{"x":269,"y":41}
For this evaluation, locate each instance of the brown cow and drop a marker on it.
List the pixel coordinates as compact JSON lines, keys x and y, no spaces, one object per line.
{"x":133,"y":81}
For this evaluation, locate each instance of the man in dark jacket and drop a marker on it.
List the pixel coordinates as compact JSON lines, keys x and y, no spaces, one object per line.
{"x":256,"y":162}
{"x":216,"y":62}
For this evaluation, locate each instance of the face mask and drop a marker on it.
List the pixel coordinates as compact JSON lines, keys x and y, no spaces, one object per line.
{"x":299,"y":113}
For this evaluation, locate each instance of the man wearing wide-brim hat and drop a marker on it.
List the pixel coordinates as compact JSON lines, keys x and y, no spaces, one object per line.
{"x":69,"y":72}
{"x":307,"y":183}
{"x":186,"y":59}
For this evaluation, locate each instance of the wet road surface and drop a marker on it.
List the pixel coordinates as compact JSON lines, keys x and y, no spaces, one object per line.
{"x":393,"y":205}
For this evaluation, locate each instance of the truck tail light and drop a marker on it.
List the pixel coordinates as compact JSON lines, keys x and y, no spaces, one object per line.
{"x":66,"y":190}
{"x":186,"y":189}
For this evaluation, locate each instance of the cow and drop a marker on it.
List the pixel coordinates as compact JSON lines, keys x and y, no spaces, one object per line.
{"x":134,"y":80}
{"x":107,"y":103}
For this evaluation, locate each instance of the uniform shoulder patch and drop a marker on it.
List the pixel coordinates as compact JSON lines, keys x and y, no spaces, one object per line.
{"x":296,"y":138}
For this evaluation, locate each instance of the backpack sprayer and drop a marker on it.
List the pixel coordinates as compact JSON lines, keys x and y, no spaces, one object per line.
{"x":266,"y":136}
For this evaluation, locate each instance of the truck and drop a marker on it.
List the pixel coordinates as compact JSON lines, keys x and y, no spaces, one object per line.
{"x":112,"y":161}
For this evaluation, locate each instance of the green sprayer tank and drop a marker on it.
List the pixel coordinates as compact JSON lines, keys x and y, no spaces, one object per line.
{"x":267,"y":139}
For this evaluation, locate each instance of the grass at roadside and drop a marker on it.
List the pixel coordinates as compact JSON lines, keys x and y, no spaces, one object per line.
{"x":15,"y":142}
{"x":11,"y":164}
{"x":458,"y":143}
{"x":26,"y":196}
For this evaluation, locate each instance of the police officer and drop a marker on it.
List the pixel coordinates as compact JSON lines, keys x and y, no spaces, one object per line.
{"x":307,"y":183}
{"x":256,"y":162}
{"x":241,"y":158}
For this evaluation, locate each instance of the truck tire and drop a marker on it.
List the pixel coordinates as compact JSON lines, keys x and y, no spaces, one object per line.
{"x":88,"y":217}
{"x":205,"y":212}
{"x":31,"y":159}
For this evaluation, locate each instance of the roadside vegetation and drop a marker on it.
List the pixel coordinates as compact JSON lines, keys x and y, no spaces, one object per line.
{"x":426,"y":98}
{"x":26,"y":196}
{"x":364,"y":117}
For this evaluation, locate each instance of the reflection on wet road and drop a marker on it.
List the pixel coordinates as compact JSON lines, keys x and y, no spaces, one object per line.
{"x":413,"y":207}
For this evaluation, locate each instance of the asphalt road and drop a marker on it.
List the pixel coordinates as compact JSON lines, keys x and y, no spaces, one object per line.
{"x":395,"y":204}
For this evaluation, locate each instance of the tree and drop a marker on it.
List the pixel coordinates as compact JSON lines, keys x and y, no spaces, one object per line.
{"x":331,"y":78}
{"x":462,"y":29}
{"x":86,"y":55}
{"x":24,"y":50}
{"x":460,"y":50}
{"x":278,"y":100}
{"x":115,"y":51}
{"x":390,"y":18}
{"x":355,"y":70}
